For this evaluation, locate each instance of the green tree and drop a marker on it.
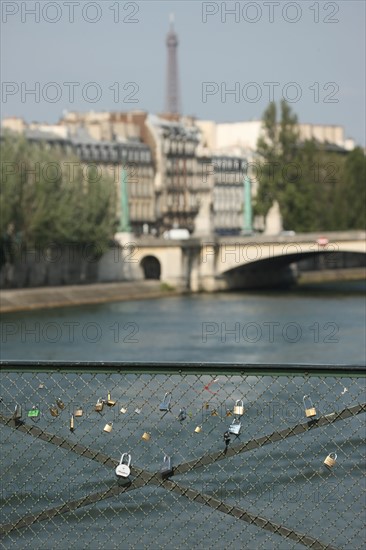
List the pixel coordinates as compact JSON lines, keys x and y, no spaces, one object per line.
{"x":47,"y":197}
{"x":277,"y":149}
{"x":316,"y":189}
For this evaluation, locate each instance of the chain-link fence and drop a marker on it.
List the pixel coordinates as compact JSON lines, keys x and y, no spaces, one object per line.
{"x":215,"y":456}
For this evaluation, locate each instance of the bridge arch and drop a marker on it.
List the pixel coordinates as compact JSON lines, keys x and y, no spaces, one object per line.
{"x":279,"y":270}
{"x":151,"y":267}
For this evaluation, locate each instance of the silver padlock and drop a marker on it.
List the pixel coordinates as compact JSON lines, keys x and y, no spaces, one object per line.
{"x":182,"y":414}
{"x":309,"y":407}
{"x":239,"y":407}
{"x":166,"y":470}
{"x":123,"y":410}
{"x":123,"y":469}
{"x":60,"y":404}
{"x":108,"y":427}
{"x":235,"y":427}
{"x":330,"y":460}
{"x":17,"y":415}
{"x":165,"y":404}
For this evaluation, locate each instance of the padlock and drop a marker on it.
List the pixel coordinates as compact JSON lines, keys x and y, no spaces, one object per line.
{"x":79,"y":412}
{"x":309,"y":407}
{"x":33,"y":412}
{"x":72,"y":425}
{"x":214,"y":412}
{"x":110,"y":401}
{"x":99,"y":405}
{"x":228,"y":412}
{"x":239,"y":407}
{"x":123,"y":469}
{"x":54,"y":410}
{"x":165,"y":405}
{"x":330,"y":460}
{"x":60,"y":404}
{"x":137,"y":410}
{"x":182,"y":414}
{"x":146,"y":436}
{"x":235,"y":427}
{"x":207,"y":405}
{"x":166,"y":470}
{"x":123,"y":410}
{"x":41,"y":386}
{"x":108,"y":427}
{"x":17,"y":415}
{"x":198,"y":429}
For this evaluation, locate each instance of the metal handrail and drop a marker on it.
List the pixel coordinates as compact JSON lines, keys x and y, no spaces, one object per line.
{"x":168,"y":367}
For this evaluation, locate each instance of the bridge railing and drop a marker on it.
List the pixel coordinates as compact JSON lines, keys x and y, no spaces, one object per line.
{"x":216,"y":455}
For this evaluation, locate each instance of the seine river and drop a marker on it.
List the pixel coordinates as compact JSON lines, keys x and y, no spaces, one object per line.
{"x":318,"y":324}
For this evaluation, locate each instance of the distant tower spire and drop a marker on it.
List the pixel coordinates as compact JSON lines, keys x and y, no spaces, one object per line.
{"x":172,"y":105}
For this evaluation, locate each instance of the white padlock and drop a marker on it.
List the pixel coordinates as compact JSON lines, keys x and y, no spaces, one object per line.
{"x":123,"y":468}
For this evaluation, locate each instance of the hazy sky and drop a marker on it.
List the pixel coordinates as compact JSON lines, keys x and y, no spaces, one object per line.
{"x":113,"y":56}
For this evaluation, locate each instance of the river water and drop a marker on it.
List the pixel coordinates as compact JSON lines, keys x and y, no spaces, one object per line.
{"x":285,"y":481}
{"x":318,"y":324}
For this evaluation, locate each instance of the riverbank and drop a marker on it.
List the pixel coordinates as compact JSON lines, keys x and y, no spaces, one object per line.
{"x":24,"y":299}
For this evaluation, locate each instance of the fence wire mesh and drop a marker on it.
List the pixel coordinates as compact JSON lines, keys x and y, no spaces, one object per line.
{"x":264,"y":487}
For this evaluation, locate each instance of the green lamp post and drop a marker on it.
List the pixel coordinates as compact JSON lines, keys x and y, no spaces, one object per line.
{"x":124,"y":225}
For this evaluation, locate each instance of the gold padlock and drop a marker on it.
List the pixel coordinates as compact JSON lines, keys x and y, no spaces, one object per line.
{"x":214,"y":412}
{"x":146,"y":436}
{"x":239,"y":407}
{"x":229,"y":413}
{"x":72,"y":426}
{"x":54,"y":410}
{"x":99,"y":405}
{"x":309,"y":407}
{"x":79,"y":412}
{"x":207,"y":405}
{"x":198,"y":429}
{"x":110,"y":401}
{"x":108,"y":427}
{"x":330,"y":460}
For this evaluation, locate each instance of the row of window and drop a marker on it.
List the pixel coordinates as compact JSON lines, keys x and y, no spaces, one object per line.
{"x":112,"y":153}
{"x":171,"y":146}
{"x":228,"y":198}
{"x":181,"y":164}
{"x":227,"y":221}
{"x":180,"y":200}
{"x":141,"y":210}
{"x":141,"y":188}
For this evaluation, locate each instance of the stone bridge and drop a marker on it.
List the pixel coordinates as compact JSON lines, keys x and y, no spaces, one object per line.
{"x":218,"y":263}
